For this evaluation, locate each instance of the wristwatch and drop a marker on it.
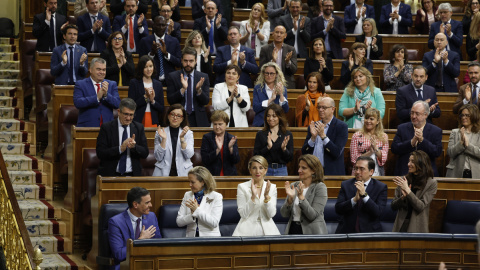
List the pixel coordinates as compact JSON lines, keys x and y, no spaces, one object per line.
{"x":364,"y":195}
{"x":238,"y":96}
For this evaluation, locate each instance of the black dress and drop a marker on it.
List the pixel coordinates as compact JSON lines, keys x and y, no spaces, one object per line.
{"x":312,"y":65}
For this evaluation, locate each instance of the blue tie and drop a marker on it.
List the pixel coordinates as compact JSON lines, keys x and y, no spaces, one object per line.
{"x":122,"y":164}
{"x":70,"y":66}
{"x":160,"y":60}
{"x":210,"y":36}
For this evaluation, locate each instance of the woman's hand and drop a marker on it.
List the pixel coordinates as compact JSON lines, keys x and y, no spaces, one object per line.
{"x":269,"y":140}
{"x":161,"y":132}
{"x":307,"y":105}
{"x":403,"y":184}
{"x":463,"y":137}
{"x":351,"y":63}
{"x":357,"y":106}
{"x":368,"y":105}
{"x":285,"y":142}
{"x":248,"y":28}
{"x":184,"y":131}
{"x":267,"y":190}
{"x":300,"y":189}
{"x":206,"y":54}
{"x":322,"y":64}
{"x":192,"y":204}
{"x":290,"y":192}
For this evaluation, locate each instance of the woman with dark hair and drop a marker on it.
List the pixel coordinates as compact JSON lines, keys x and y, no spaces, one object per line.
{"x":306,"y":199}
{"x":274,"y":142}
{"x":426,"y":16}
{"x":464,"y":145}
{"x":471,"y":9}
{"x":371,"y":38}
{"x":306,"y":104}
{"x":413,"y":195}
{"x":399,"y":72}
{"x":147,"y":93}
{"x":120,"y":66}
{"x":356,"y":58}
{"x":174,"y":144}
{"x":473,"y":37}
{"x":319,"y":62}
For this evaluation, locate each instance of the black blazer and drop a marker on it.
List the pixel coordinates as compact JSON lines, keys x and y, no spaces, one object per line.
{"x":346,"y":74}
{"x":274,"y":154}
{"x":336,"y":35}
{"x":117,"y":7}
{"x":312,"y":65}
{"x":471,"y":49}
{"x":373,"y":55}
{"x":42,"y":31}
{"x":156,"y":11}
{"x":212,"y":161}
{"x":219,"y":34}
{"x":128,"y":70}
{"x":136,"y":91}
{"x":107,"y":148}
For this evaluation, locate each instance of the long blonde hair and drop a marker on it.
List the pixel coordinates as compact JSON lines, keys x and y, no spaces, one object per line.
{"x":279,"y":78}
{"x":191,"y":36}
{"x":263,"y":15}
{"x":378,"y":132}
{"x":350,"y":89}
{"x":474,"y":27}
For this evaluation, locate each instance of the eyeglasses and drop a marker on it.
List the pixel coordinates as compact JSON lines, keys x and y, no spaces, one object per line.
{"x":127,"y":114}
{"x":323,"y":107}
{"x":475,"y":3}
{"x":464,"y":115}
{"x":117,"y":38}
{"x":176,"y":115}
{"x":269,"y":73}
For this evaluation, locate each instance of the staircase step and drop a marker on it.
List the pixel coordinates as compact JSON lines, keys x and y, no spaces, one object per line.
{"x":9,"y":56}
{"x":6,"y":73}
{"x":45,"y":227}
{"x":15,"y":148}
{"x":7,"y":40}
{"x":8,"y":48}
{"x":20,"y":162}
{"x":50,"y":244}
{"x":25,"y":177}
{"x":9,"y":83}
{"x":9,"y":112}
{"x":58,"y":262}
{"x":35,"y":210}
{"x":9,"y":65}
{"x":8,"y":91}
{"x":12,"y":124}
{"x":33,"y":192}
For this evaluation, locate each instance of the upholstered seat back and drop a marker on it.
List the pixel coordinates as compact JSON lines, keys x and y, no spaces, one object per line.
{"x":461,"y":217}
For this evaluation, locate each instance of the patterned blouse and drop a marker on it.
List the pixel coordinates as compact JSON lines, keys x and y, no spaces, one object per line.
{"x":360,"y":145}
{"x":393,"y":83}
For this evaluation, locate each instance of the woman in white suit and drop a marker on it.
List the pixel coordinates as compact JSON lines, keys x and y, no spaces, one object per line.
{"x":174,"y":144}
{"x":255,"y":31}
{"x":232,"y":97}
{"x":202,"y":207}
{"x":256,"y":202}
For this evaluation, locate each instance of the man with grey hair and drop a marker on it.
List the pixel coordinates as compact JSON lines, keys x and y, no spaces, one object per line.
{"x":451,"y":28}
{"x":94,"y":97}
{"x":121,"y":143}
{"x":417,"y":135}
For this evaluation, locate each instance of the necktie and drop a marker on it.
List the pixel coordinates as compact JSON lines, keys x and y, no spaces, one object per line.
{"x":189,"y":94}
{"x":210,"y":36}
{"x":420,"y":97}
{"x":52,"y":33}
{"x":160,"y":60}
{"x":100,"y":104}
{"x":474,"y":94}
{"x":122,"y":164}
{"x":70,"y":66}
{"x":137,"y":229}
{"x":359,"y":207}
{"x":94,"y":48}
{"x":439,"y":81}
{"x":130,"y":34}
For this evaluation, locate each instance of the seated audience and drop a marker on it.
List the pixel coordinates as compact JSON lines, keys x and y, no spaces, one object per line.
{"x":413,"y":195}
{"x":132,"y":25}
{"x":173,"y":10}
{"x":399,"y":72}
{"x":473,"y":37}
{"x":80,"y":7}
{"x":306,"y":199}
{"x":451,"y":28}
{"x":469,"y":93}
{"x":298,"y":28}
{"x":471,"y":9}
{"x":257,"y":202}
{"x":426,"y":16}
{"x":213,"y":21}
{"x":204,"y":59}
{"x":93,"y":28}
{"x":355,"y":59}
{"x":319,"y":62}
{"x":355,"y":15}
{"x":120,"y":66}
{"x":306,"y":105}
{"x":275,"y":10}
{"x":202,"y":217}
{"x":174,"y":144}
{"x":48,"y":27}
{"x":255,"y":32}
{"x":371,"y":38}
{"x":395,"y":18}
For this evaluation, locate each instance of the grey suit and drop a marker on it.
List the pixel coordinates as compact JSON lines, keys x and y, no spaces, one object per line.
{"x":458,"y":152}
{"x":312,"y":207}
{"x":303,"y":34}
{"x":266,"y":56}
{"x":274,"y":12}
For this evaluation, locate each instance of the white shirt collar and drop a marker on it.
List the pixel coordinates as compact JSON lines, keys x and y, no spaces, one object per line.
{"x":94,"y":83}
{"x":157,"y":38}
{"x":91,"y":14}
{"x":132,"y":216}
{"x":366,"y":183}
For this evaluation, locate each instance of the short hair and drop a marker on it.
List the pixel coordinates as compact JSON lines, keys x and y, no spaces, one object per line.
{"x":190,"y":51}
{"x":395,"y":48}
{"x":424,"y":169}
{"x":323,"y":1}
{"x":99,"y":60}
{"x":473,"y":64}
{"x":203,"y":175}
{"x":420,"y":67}
{"x":315,"y":165}
{"x":299,"y":1}
{"x":177,"y":107}
{"x":371,"y":162}
{"x":212,"y":2}
{"x":114,"y":34}
{"x":219,"y":116}
{"x":318,"y":76}
{"x":135,"y":195}
{"x":233,"y":27}
{"x":426,"y":107}
{"x":142,"y":62}
{"x":331,"y":101}
{"x":474,"y":116}
{"x":127,"y":103}
{"x":282,"y":120}
{"x":69,"y":26}
{"x":235,"y":67}
{"x":445,"y":6}
{"x":259,"y":159}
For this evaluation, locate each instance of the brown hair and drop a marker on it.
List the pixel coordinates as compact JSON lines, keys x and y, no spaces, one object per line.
{"x":219,"y":116}
{"x":396,"y":48}
{"x":177,"y":107}
{"x":318,"y":76}
{"x":324,"y":53}
{"x":282,"y":120}
{"x":474,"y":116}
{"x":114,"y":34}
{"x":423,"y":168}
{"x":313,"y":164}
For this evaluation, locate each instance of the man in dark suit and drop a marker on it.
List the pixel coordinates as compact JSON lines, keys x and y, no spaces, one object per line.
{"x":298,"y":29}
{"x":331,"y":28}
{"x":238,"y":55}
{"x":212,"y":21}
{"x":121,"y":157}
{"x":93,"y":28}
{"x":173,"y":28}
{"x":417,"y":135}
{"x":163,"y":49}
{"x":136,"y":222}
{"x":469,"y":93}
{"x":117,"y":7}
{"x":355,"y":14}
{"x":69,"y":61}
{"x":47,"y":27}
{"x":282,"y":54}
{"x":133,"y":26}
{"x":442,"y":65}
{"x":326,"y":138}
{"x":417,"y":90}
{"x":276,"y":9}
{"x":395,"y":18}
{"x":94,"y":97}
{"x":199,"y":8}
{"x":361,"y":200}
{"x":451,"y":28}
{"x":191,"y":89}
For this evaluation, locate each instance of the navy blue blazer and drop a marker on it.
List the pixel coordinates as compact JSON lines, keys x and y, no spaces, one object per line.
{"x":350,"y":16}
{"x":370,"y":211}
{"x":333,"y":151}
{"x":450,"y":71}
{"x":119,"y":22}
{"x":404,"y":11}
{"x":224,"y":54}
{"x":346,"y":73}
{"x":402,"y":147}
{"x":89,"y":109}
{"x":197,"y":10}
{"x":455,"y":42}
{"x":85,"y":35}
{"x":336,"y":35}
{"x":136,"y":91}
{"x":219,"y":34}
{"x":61,"y":72}
{"x":406,"y":96}
{"x":120,"y":229}
{"x":212,"y":161}
{"x":41,"y":31}
{"x":259,"y":95}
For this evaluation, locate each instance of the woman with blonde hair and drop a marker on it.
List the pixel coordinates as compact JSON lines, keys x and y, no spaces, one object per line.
{"x":473,"y":36}
{"x":306,"y":105}
{"x":371,"y":38}
{"x":255,"y":31}
{"x":356,"y":58}
{"x":204,"y":60}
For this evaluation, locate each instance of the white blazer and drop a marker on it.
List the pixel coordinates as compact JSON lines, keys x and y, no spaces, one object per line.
{"x":219,"y":102}
{"x":208,"y":215}
{"x":164,"y":156}
{"x":258,"y":44}
{"x":250,"y":211}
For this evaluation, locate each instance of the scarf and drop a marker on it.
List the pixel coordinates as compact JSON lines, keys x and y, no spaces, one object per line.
{"x":312,"y":112}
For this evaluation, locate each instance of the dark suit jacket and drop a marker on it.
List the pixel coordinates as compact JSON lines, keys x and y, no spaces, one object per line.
{"x":289,"y":72}
{"x":197,"y":11}
{"x":404,"y":11}
{"x":350,"y":16}
{"x":175,"y":12}
{"x":274,"y":12}
{"x":471,"y":48}
{"x":373,"y":55}
{"x":117,"y":7}
{"x":402,"y":147}
{"x":455,"y":42}
{"x":85,"y":35}
{"x":450,"y":71}
{"x":120,"y":230}
{"x":136,"y":91}
{"x":108,"y":144}
{"x":303,"y":34}
{"x":212,"y":161}
{"x":406,"y":96}
{"x":346,"y":73}
{"x":199,"y":101}
{"x":333,"y":151}
{"x":461,"y":95}
{"x":224,"y":54}
{"x":89,"y":109}
{"x":219,"y":34}
{"x":422,"y":27}
{"x":312,"y":65}
{"x":259,"y":95}
{"x":370,"y":211}
{"x":41,"y":31}
{"x":336,"y":34}
{"x":119,"y":22}
{"x":128,"y":70}
{"x":61,"y":72}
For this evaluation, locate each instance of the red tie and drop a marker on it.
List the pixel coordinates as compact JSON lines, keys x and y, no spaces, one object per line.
{"x":130,"y":34}
{"x":100,"y":104}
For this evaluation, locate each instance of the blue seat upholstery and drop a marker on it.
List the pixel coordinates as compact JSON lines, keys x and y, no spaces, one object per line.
{"x":330,"y":216}
{"x":167,"y":221}
{"x":230,"y":218}
{"x":106,"y":212}
{"x":461,"y":217}
{"x":280,"y":221}
{"x":387,"y":219}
